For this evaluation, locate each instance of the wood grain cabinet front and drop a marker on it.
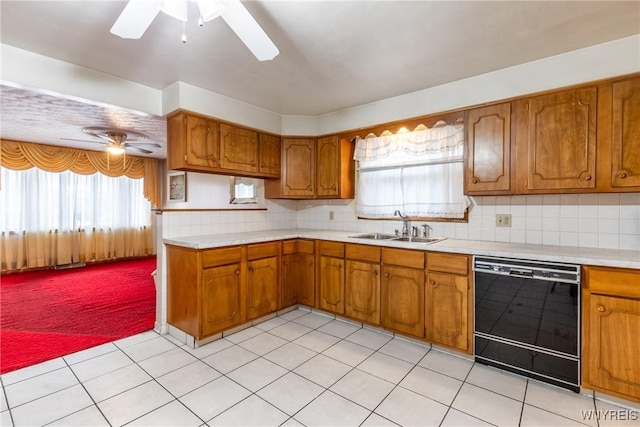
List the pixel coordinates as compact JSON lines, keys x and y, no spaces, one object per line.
{"x":611,"y":331}
{"x":330,"y":276}
{"x":362,"y":283}
{"x":192,"y":143}
{"x":222,"y":298}
{"x":298,"y":273}
{"x":238,"y":149}
{"x":263,"y":279}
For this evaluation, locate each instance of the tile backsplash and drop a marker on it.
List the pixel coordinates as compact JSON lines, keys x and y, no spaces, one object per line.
{"x":586,"y":220}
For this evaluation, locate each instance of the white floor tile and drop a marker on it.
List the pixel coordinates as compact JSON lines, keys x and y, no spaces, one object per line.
{"x":405,"y":350}
{"x":456,"y":418}
{"x":488,"y":406}
{"x":317,"y":341}
{"x":5,"y":419}
{"x":134,"y":403}
{"x":229,"y":359}
{"x":362,"y":388}
{"x":613,"y":415}
{"x":244,"y":334}
{"x":375,"y":420}
{"x":290,"y":331}
{"x":149,"y":348}
{"x":433,"y":385}
{"x":188,"y":378}
{"x":290,"y":393}
{"x":407,"y":408}
{"x":32,"y":371}
{"x":290,"y":356}
{"x":342,"y":412}
{"x":533,"y":417}
{"x":348,"y":353}
{"x":263,"y":343}
{"x":267,"y":325}
{"x":208,"y":349}
{"x":257,"y":374}
{"x":323,"y":370}
{"x":559,"y":401}
{"x":339,"y":329}
{"x":294,"y":314}
{"x":368,"y":338}
{"x":88,"y":417}
{"x":89,"y":353}
{"x":313,"y":320}
{"x":292,"y":422}
{"x":252,"y":411}
{"x":136,"y":339}
{"x":498,"y":381}
{"x":386,"y":367}
{"x":52,"y":407}
{"x":214,"y":398}
{"x":3,"y":401}
{"x":116,"y":382}
{"x":167,"y":362}
{"x":172,"y":414}
{"x":39,"y":386}
{"x":447,"y":364}
{"x":101,"y":365}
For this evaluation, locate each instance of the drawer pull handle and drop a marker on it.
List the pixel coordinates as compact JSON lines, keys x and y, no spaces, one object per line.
{"x":600,"y":308}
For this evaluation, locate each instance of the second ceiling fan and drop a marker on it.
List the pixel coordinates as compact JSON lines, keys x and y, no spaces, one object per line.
{"x":138,"y":15}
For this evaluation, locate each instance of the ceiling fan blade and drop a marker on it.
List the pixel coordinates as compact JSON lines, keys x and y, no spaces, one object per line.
{"x":139,"y":150}
{"x":83,"y":140}
{"x":142,"y":144}
{"x":136,"y":18}
{"x":249,"y":31}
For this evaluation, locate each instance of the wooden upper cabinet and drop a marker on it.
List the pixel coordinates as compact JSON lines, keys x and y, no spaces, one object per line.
{"x":192,"y":143}
{"x":328,"y":167}
{"x":556,"y":141}
{"x":298,"y":170}
{"x":625,"y":134}
{"x":269,"y":155}
{"x":488,"y":167}
{"x":238,"y":149}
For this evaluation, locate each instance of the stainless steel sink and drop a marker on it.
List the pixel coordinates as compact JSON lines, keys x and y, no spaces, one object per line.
{"x":375,"y":236}
{"x":394,"y":238}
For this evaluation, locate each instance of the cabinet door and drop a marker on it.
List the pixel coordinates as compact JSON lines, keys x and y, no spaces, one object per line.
{"x":238,"y":149}
{"x":446,"y":310}
{"x":290,"y":278}
{"x":362,"y":289}
{"x":328,"y":167}
{"x":202,"y":142}
{"x":306,"y":280}
{"x":488,"y":167}
{"x":625,"y":143}
{"x":299,"y":156}
{"x":262,"y":287}
{"x":221,"y":298}
{"x":331,"y":284}
{"x":612,"y":344}
{"x":269,"y":155}
{"x":558,"y":140}
{"x":403,"y":300}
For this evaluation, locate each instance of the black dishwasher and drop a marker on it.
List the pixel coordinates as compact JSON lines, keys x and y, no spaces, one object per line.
{"x":527,"y":318}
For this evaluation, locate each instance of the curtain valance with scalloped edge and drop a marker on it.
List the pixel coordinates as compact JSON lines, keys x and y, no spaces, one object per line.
{"x":25,"y":155}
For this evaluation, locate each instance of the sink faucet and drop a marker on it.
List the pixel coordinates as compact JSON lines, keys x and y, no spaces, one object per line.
{"x":405,"y":222}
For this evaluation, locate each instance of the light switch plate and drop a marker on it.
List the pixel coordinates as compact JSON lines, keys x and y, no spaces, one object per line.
{"x":503,"y":220}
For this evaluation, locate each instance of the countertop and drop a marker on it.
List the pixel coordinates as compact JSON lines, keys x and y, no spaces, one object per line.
{"x":563,"y":254}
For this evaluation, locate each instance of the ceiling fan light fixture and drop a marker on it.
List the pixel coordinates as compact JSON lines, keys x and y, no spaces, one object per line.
{"x":115,"y":149}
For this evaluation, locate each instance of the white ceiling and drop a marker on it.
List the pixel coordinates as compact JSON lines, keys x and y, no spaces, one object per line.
{"x":333,"y":54}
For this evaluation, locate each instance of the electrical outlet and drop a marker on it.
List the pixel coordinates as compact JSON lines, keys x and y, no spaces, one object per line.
{"x":503,"y":220}
{"x":331,"y":215}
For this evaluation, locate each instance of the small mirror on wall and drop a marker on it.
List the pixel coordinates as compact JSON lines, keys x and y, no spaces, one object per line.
{"x":243,"y":190}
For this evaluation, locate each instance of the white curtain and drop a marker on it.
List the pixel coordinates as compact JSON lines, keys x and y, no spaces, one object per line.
{"x":419,"y":173}
{"x":53,"y":218}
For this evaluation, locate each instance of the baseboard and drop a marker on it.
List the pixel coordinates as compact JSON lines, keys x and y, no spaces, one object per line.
{"x":72,"y":265}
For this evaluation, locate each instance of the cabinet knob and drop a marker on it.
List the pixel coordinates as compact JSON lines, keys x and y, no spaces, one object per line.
{"x":600,"y":308}
{"x":237,"y":272}
{"x":622,"y":174}
{"x":387,"y":275}
{"x":432,"y":282}
{"x":339,"y":267}
{"x":375,"y":272}
{"x":587,"y":177}
{"x":475,"y":180}
{"x":251,"y":269}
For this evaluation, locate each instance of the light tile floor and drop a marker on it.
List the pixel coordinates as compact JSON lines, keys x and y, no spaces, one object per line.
{"x":301,"y":368}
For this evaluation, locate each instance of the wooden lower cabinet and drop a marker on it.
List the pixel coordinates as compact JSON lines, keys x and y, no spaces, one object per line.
{"x":362,"y":283}
{"x":263,"y":279}
{"x":298,"y":273}
{"x":331,"y":277}
{"x":222,"y":300}
{"x":611,"y":331}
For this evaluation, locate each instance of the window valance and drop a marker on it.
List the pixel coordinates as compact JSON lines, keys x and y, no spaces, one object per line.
{"x":24,"y":155}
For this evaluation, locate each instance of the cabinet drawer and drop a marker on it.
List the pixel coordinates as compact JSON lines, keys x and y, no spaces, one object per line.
{"x":403,"y":257}
{"x":216,"y":257}
{"x":262,"y":250}
{"x":362,"y":252}
{"x":333,"y":249}
{"x":613,"y":281}
{"x":297,"y":246}
{"x":448,"y":263}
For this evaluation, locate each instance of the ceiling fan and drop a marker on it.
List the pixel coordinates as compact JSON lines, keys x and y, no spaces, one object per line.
{"x":138,"y":15}
{"x":118,"y":140}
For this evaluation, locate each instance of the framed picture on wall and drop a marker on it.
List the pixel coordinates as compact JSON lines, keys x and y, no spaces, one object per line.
{"x":177,"y":186}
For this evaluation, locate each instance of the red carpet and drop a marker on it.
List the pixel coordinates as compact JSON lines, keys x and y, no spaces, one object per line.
{"x":52,"y":313}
